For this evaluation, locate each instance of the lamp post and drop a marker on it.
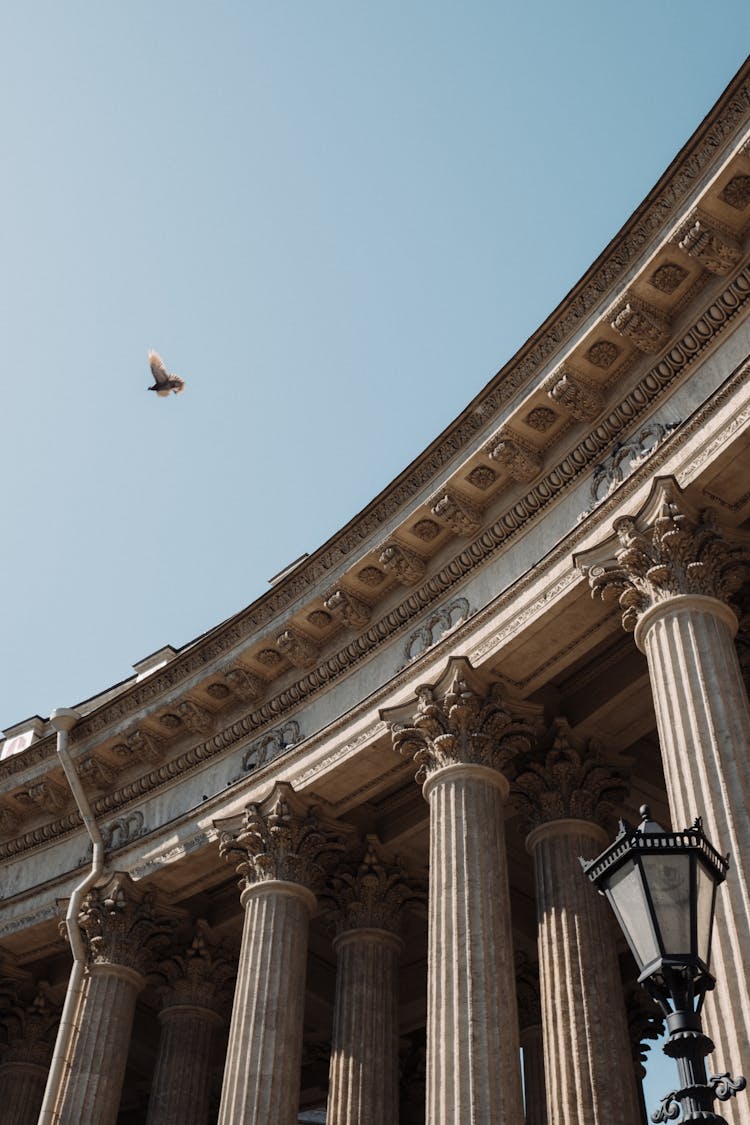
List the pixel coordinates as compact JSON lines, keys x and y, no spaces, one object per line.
{"x":662,"y":888}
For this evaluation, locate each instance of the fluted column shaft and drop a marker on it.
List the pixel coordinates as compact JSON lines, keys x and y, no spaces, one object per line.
{"x":534,"y":1085}
{"x":181,"y":1089}
{"x":703,"y":718}
{"x":21,"y":1092}
{"x":586,"y":1046}
{"x":264,"y":1055}
{"x":473,"y":1072}
{"x":100,"y":1051}
{"x":363,"y":1087}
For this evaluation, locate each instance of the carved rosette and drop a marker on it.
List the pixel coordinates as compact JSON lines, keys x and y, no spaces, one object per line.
{"x":457,"y":513}
{"x":406,"y":566}
{"x":283,"y":840}
{"x":201,"y":976}
{"x":580,"y":396}
{"x":521,"y":461}
{"x":122,"y":925}
{"x":568,"y":781}
{"x":644,"y":326}
{"x":371,"y":894}
{"x":353,"y":611}
{"x":678,"y":552}
{"x":462,"y":727}
{"x":716,"y":250}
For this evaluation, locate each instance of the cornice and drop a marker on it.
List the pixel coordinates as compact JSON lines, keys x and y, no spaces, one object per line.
{"x":514,"y":520}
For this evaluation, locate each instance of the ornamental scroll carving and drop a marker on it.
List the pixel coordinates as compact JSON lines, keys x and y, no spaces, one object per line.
{"x":443,"y":621}
{"x":570,"y":779}
{"x":268,"y":747}
{"x":461,"y":721}
{"x":521,"y":461}
{"x":666,"y":550}
{"x":352,"y":611}
{"x":457,"y":513}
{"x":299,"y":649}
{"x":371,"y":894}
{"x":716,"y":250}
{"x":584,"y":399}
{"x":406,"y":566}
{"x":645,"y":327}
{"x":281,"y":839}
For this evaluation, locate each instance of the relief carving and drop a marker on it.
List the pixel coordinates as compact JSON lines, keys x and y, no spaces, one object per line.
{"x":580,"y":396}
{"x":299,"y":649}
{"x":643,"y":326}
{"x":354,"y":612}
{"x":520,"y":461}
{"x":403,"y":564}
{"x":457,"y":513}
{"x":716,"y":250}
{"x":268,"y":747}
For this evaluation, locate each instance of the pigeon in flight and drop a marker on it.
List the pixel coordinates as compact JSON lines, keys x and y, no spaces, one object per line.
{"x":163,"y":381}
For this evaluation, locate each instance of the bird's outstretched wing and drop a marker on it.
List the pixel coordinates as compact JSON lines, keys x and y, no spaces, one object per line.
{"x":158,"y":370}
{"x":177,"y":384}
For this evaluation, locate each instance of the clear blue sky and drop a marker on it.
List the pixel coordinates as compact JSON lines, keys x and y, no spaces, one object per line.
{"x":336,"y":220}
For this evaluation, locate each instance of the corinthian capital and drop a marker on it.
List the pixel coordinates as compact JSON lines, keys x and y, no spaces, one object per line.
{"x":371,"y":894}
{"x":668,"y":548}
{"x":200,"y":974}
{"x":30,"y":1025}
{"x":122,"y":924}
{"x":567,"y":781}
{"x":460,"y":721}
{"x":281,"y":839}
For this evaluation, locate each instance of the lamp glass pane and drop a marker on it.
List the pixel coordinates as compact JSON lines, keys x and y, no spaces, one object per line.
{"x":668,"y":878}
{"x":704,"y":910}
{"x":625,"y":891}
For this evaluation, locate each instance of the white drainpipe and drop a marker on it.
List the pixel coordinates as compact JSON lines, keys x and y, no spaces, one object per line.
{"x":63,"y":720}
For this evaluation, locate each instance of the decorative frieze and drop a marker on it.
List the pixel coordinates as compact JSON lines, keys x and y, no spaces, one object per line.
{"x":299,"y":649}
{"x":272,"y":744}
{"x":406,"y":566}
{"x":717,"y":251}
{"x":521,"y":461}
{"x":457,"y":513}
{"x":436,"y":626}
{"x":579,"y":395}
{"x":644,"y":326}
{"x":351,"y":610}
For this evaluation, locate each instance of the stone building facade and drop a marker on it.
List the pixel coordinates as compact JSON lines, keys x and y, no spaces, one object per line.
{"x":402,"y":748}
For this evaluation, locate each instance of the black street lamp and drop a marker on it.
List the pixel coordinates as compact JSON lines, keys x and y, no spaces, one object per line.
{"x":662,"y":888}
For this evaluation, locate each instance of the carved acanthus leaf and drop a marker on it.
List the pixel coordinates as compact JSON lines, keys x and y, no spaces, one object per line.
{"x":580,"y":396}
{"x":94,"y":770}
{"x":456,"y":512}
{"x":354,"y":612}
{"x":140,"y":746}
{"x":568,"y":780}
{"x":282,"y":839}
{"x":30,"y":1024}
{"x":122,"y":925}
{"x":644,"y":326}
{"x":200,"y":974}
{"x":371,"y":894}
{"x":462,"y":726}
{"x":46,"y":795}
{"x":716,"y":250}
{"x":676,"y":553}
{"x":408,"y":567}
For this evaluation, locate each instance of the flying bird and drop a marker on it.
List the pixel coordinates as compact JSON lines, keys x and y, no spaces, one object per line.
{"x":163,"y":381}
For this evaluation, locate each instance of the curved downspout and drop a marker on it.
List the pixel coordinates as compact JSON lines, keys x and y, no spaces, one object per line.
{"x":63,"y":720}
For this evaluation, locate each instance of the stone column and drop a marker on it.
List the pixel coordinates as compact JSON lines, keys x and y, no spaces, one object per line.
{"x":30,"y":1028}
{"x":563,"y":794}
{"x":532,"y":1045}
{"x":674,"y":573}
{"x":194,"y":999}
{"x":121,"y":927}
{"x":367,"y":902}
{"x":463,"y":738}
{"x":285,"y":852}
